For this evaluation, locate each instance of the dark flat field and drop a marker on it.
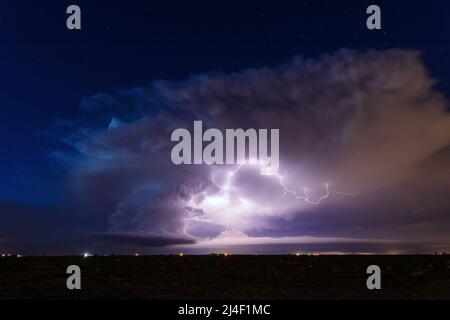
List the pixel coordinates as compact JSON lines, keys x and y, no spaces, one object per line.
{"x":232,"y":277}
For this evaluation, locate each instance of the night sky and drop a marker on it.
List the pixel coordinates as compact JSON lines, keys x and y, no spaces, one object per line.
{"x":87,"y":115}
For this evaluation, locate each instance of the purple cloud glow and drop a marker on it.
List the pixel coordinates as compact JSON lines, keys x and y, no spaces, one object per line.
{"x":370,"y":122}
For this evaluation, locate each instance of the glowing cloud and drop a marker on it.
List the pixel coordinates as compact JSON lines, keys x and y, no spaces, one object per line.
{"x":364,"y":150}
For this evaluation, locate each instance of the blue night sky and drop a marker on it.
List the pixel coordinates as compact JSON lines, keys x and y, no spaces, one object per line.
{"x":87,"y":115}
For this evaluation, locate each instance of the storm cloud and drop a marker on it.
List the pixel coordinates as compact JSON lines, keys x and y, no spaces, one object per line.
{"x":367,"y":121}
{"x":140,"y":239}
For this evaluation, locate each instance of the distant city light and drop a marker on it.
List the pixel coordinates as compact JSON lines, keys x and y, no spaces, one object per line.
{"x":181,"y":254}
{"x":297,"y":254}
{"x":86,"y":254}
{"x":9,"y":255}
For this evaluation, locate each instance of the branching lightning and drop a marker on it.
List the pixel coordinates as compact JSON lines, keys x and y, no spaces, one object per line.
{"x":307,"y":198}
{"x":304,"y":196}
{"x":221,"y":205}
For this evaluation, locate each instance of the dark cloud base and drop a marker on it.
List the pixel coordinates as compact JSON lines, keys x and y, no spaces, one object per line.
{"x":140,"y":239}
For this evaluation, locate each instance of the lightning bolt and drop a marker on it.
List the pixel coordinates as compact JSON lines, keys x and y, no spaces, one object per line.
{"x":304,"y":196}
{"x":307,"y":198}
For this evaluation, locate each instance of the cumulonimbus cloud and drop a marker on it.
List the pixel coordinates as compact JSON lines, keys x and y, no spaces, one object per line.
{"x":370,"y":121}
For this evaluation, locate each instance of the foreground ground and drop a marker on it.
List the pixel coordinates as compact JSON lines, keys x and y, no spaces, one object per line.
{"x":231,"y":277}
